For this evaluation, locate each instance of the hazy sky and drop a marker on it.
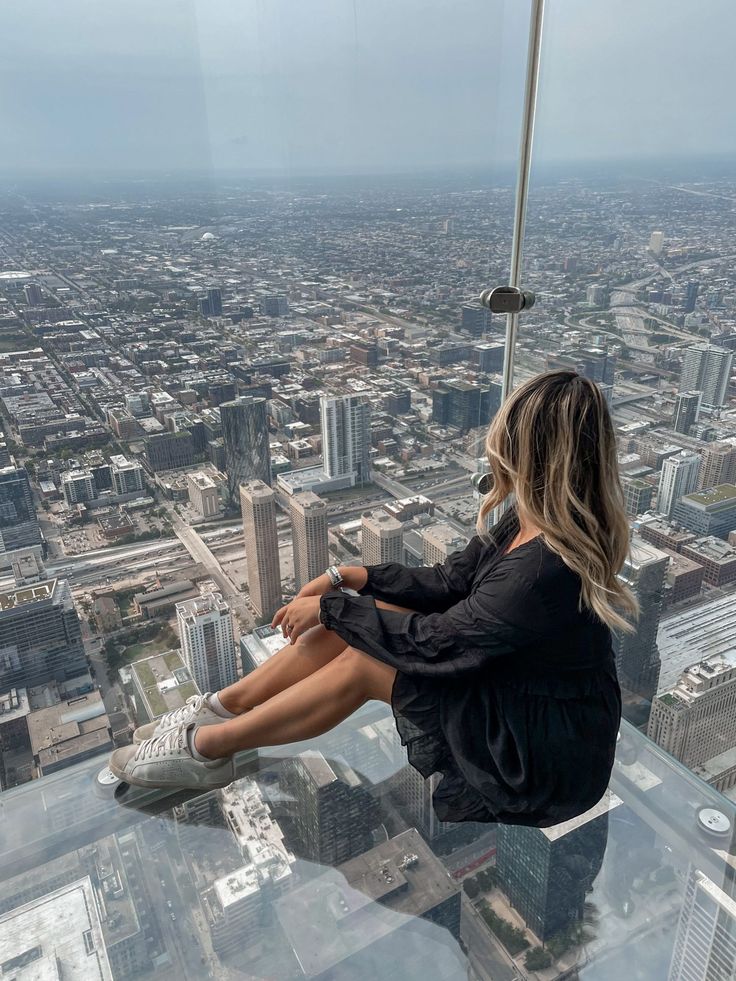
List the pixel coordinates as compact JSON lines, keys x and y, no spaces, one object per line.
{"x":297,"y":86}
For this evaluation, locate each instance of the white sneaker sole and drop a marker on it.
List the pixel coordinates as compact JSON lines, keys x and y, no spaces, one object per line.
{"x":139,"y":781}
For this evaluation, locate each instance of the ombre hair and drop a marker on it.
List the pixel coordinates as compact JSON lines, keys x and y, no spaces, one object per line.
{"x":552,"y":444}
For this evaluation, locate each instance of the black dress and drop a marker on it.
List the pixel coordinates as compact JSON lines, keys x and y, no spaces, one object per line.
{"x":504,"y":685}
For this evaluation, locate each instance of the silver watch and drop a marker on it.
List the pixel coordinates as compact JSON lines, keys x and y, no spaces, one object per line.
{"x":335,"y":578}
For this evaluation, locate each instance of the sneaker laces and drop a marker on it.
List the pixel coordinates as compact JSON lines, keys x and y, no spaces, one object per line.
{"x":191,"y":708}
{"x":166,"y":742}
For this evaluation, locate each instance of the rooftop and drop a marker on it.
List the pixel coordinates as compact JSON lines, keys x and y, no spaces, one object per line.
{"x":55,"y":938}
{"x":27,"y":594}
{"x":720,"y":494}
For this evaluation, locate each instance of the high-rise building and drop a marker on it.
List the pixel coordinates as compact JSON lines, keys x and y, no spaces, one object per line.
{"x":207,"y":644}
{"x":382,"y":538}
{"x":637,"y":495}
{"x":546,"y":872}
{"x":214,"y":298}
{"x":656,"y":243}
{"x":33,"y":294}
{"x":679,"y":477}
{"x":127,"y":477}
{"x":203,"y":494}
{"x":596,"y":295}
{"x":169,"y":451}
{"x":717,"y":465}
{"x":704,"y":948}
{"x":40,"y":635}
{"x":695,"y":720}
{"x":239,"y":902}
{"x":637,"y":655}
{"x":78,"y":486}
{"x":258,"y":505}
{"x":475,"y":319}
{"x":245,"y":435}
{"x":346,"y":436}
{"x":691,"y":297}
{"x":370,"y":911}
{"x":18,"y":522}
{"x":708,"y":512}
{"x":333,"y":813}
{"x":707,"y":369}
{"x":464,"y":405}
{"x":274,"y":306}
{"x":687,"y":407}
{"x":439,"y":541}
{"x":423,"y":886}
{"x":489,"y":357}
{"x":309,"y":535}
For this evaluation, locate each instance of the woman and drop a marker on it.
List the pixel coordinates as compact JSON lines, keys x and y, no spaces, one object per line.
{"x":498,"y":664}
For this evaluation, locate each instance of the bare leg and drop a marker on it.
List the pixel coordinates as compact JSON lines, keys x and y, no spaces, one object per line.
{"x":312,"y":651}
{"x":305,"y":709}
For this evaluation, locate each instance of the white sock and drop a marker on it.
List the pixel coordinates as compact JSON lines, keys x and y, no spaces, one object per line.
{"x":196,"y":755}
{"x":218,"y":708}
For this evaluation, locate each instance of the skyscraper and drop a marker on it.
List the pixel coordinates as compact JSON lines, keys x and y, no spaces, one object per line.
{"x":704,"y":948}
{"x":687,"y":407}
{"x":245,"y":436}
{"x":346,"y":436}
{"x":475,"y":319}
{"x":637,"y":495}
{"x":382,"y":538}
{"x":707,"y":369}
{"x":679,"y":477}
{"x":656,"y":243}
{"x":333,"y":811}
{"x":696,"y":719}
{"x":18,"y":522}
{"x":207,"y":643}
{"x":637,"y":654}
{"x":439,"y":541}
{"x":214,"y":298}
{"x":258,"y":505}
{"x":546,"y":872}
{"x":691,"y":296}
{"x":717,"y":465}
{"x":309,"y":535}
{"x":40,"y":635}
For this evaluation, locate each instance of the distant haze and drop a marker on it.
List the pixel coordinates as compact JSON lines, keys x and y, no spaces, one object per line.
{"x":356,"y":86}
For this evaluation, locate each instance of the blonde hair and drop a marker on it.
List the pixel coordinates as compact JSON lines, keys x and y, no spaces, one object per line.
{"x":553,"y":445}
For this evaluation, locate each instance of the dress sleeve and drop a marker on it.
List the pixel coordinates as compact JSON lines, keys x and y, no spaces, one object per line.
{"x":502,"y":615}
{"x":426,"y":589}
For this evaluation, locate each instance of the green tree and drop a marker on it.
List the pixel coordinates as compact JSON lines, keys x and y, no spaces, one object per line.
{"x":537,"y":959}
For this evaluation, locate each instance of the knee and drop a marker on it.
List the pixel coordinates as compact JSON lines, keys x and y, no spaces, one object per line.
{"x":351,"y":659}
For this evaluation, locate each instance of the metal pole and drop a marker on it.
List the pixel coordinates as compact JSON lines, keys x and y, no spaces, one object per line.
{"x":536,"y":17}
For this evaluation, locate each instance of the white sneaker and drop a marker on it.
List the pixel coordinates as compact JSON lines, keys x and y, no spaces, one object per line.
{"x":195,"y":709}
{"x":165,"y":761}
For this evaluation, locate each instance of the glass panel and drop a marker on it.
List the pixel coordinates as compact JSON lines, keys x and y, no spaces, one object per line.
{"x":628,"y":248}
{"x":324,"y":860}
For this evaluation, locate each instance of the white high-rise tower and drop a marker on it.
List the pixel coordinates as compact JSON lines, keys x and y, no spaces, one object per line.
{"x":679,"y":477}
{"x":207,"y":643}
{"x":346,"y":436}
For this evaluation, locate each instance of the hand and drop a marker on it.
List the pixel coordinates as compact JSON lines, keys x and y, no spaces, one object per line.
{"x":298,"y":616}
{"x":316,"y":587}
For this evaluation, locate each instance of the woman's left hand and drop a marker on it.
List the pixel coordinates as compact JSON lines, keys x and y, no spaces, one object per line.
{"x":297,"y":617}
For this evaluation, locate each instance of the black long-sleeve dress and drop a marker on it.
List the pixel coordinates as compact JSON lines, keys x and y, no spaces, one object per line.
{"x":504,"y":685}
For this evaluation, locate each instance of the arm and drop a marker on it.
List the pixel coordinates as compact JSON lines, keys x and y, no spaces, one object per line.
{"x":502,"y":615}
{"x":425,"y":589}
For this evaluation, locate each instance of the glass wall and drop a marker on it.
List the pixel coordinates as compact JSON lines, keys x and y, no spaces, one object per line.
{"x":234,"y":232}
